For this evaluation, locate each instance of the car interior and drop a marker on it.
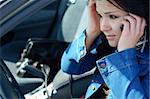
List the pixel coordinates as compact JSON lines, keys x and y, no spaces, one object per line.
{"x":31,"y":52}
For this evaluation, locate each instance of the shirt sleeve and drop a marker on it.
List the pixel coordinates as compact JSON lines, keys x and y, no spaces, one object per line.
{"x":120,"y":72}
{"x":75,"y":59}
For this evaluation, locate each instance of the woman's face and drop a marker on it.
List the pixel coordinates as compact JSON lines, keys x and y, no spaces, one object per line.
{"x":110,"y":20}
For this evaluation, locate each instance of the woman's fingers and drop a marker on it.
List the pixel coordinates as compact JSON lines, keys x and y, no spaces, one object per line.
{"x":138,"y":20}
{"x":132,"y":31}
{"x":126,"y":27}
{"x":143,"y":27}
{"x":131,"y":23}
{"x":91,"y":3}
{"x":93,"y":19}
{"x":92,"y":7}
{"x":140,"y":24}
{"x":136,"y":24}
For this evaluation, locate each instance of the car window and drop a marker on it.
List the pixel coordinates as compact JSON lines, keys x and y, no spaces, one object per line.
{"x":34,"y":24}
{"x":15,"y":11}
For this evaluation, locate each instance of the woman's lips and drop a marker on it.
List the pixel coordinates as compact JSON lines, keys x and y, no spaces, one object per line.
{"x":110,"y":37}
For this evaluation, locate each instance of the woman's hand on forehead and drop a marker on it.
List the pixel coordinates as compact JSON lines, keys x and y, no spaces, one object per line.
{"x":93,"y":18}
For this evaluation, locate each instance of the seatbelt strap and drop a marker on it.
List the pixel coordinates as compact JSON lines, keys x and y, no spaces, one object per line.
{"x":71,"y":87}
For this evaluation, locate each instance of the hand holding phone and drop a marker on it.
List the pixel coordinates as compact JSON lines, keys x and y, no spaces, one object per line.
{"x":132,"y":30}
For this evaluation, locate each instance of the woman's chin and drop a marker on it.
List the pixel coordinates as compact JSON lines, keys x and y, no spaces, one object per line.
{"x":112,"y":44}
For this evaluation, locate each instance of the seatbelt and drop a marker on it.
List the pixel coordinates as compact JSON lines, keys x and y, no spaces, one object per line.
{"x":53,"y":30}
{"x":70,"y":85}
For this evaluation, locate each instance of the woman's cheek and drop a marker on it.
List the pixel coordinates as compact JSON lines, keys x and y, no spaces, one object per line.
{"x":117,"y":28}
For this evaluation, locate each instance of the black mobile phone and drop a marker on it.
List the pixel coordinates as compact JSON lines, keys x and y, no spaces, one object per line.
{"x":121,"y":28}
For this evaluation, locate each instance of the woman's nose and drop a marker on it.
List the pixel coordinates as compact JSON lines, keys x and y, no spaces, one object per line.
{"x":104,"y":25}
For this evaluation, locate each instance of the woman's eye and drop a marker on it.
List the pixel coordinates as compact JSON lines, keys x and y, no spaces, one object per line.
{"x":113,"y":17}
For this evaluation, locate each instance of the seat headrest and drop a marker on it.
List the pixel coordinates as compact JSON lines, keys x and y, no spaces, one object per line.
{"x":72,"y":18}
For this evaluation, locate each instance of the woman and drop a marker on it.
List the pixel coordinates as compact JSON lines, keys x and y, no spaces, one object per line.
{"x":116,"y":42}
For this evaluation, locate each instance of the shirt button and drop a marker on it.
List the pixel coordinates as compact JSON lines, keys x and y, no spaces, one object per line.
{"x":81,"y":53}
{"x":103,"y":65}
{"x":93,"y":88}
{"x":92,"y":80}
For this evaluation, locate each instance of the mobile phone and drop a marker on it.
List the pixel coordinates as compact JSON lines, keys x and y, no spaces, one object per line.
{"x":121,"y":27}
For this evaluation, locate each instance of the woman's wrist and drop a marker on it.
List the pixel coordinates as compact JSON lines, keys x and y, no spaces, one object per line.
{"x":92,"y":34}
{"x":90,"y":38}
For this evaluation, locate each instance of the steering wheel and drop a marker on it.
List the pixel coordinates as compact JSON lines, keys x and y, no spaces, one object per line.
{"x":9,"y":88}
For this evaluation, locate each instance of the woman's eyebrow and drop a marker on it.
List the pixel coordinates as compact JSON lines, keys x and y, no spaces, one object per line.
{"x":110,"y":12}
{"x":107,"y":12}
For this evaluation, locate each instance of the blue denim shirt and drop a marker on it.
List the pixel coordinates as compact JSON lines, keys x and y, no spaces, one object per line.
{"x":126,"y":73}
